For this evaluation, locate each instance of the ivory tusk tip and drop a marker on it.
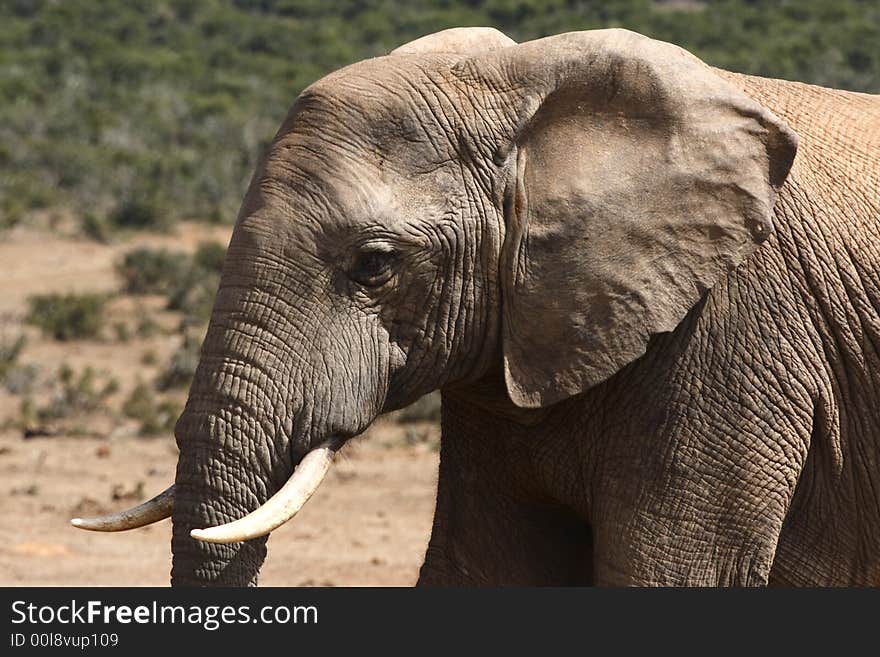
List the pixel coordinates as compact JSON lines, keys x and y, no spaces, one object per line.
{"x":85,"y":523}
{"x":198,"y":534}
{"x":153,"y":510}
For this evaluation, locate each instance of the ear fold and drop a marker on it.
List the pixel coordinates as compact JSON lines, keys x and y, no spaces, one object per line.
{"x":641,"y":179}
{"x":457,"y":40}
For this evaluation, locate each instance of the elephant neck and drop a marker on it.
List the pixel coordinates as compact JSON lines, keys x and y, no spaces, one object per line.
{"x":489,"y":394}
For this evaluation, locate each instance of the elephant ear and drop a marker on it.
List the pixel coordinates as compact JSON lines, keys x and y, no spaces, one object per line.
{"x":457,"y":40}
{"x":641,"y":179}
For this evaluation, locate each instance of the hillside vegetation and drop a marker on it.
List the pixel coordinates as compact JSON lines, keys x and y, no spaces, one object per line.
{"x":138,"y":114}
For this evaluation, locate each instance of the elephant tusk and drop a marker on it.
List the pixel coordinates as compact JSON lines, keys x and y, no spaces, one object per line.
{"x":153,"y":510}
{"x":279,"y":508}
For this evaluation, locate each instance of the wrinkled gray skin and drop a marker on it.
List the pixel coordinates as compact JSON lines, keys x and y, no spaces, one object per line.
{"x":657,"y":340}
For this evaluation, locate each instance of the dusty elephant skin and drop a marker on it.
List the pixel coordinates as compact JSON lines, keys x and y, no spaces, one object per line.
{"x":648,"y":290}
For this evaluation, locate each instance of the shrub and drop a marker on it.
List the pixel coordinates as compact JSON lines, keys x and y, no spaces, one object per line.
{"x":194,"y":296}
{"x":96,"y":228}
{"x":189,"y":282}
{"x":123,"y":334}
{"x":17,"y":379}
{"x":67,"y":316}
{"x":426,"y":409}
{"x":20,"y":379}
{"x":140,"y":402}
{"x":9,"y":353}
{"x":182,"y":366}
{"x":162,"y":420}
{"x":155,"y":415}
{"x":209,"y":256}
{"x":167,"y":105}
{"x":152,"y":271}
{"x":75,"y":394}
{"x":140,"y":212}
{"x":147,"y":327}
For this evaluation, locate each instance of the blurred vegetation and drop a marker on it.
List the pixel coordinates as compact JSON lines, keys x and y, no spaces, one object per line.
{"x":73,"y":394}
{"x":194,"y":292}
{"x":155,"y":415}
{"x":67,"y":316}
{"x":425,"y":409}
{"x":182,"y":364}
{"x":152,"y":271}
{"x":10,"y":349}
{"x":134,"y":115}
{"x":188,"y":281}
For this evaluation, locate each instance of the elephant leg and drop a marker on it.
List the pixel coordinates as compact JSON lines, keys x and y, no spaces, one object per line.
{"x":480,"y":539}
{"x":697,"y":517}
{"x":643,"y":549}
{"x":490,"y":528}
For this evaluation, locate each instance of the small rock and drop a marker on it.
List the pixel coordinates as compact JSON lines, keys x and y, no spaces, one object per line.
{"x":134,"y":494}
{"x":39,"y":431}
{"x":88,"y":507}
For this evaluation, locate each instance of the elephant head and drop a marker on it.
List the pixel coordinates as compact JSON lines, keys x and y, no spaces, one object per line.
{"x":462,"y":208}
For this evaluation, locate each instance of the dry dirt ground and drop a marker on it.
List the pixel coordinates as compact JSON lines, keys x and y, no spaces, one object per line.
{"x":367,"y":525}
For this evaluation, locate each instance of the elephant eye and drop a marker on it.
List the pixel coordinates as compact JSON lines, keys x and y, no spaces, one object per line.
{"x":373,"y":266}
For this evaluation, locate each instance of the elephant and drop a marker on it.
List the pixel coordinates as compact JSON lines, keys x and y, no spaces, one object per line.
{"x":646,"y":288}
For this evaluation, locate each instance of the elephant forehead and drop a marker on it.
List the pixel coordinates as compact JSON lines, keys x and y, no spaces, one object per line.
{"x":323,"y":186}
{"x":400,"y":106}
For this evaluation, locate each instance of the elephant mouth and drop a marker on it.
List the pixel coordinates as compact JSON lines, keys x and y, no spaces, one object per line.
{"x":277,"y":510}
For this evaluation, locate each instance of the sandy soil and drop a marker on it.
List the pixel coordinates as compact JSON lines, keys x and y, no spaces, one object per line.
{"x":368,"y":524}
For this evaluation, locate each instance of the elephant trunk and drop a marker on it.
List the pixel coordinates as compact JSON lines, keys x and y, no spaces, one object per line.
{"x":196,"y":563}
{"x":237,"y":443}
{"x":217,"y":482}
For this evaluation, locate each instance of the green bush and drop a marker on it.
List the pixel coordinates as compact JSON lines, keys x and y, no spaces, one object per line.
{"x":123,"y":333}
{"x":96,"y":228}
{"x":209,"y":256}
{"x":21,"y":379}
{"x":159,"y":110}
{"x":153,"y":271}
{"x":189,"y":282}
{"x":155,"y":415}
{"x":425,"y":409}
{"x":9,"y":353}
{"x":140,"y":213}
{"x":16,"y":378}
{"x":140,"y":403}
{"x":194,"y":296}
{"x":146,"y":326}
{"x":75,"y":394}
{"x":182,"y":365}
{"x":67,"y":316}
